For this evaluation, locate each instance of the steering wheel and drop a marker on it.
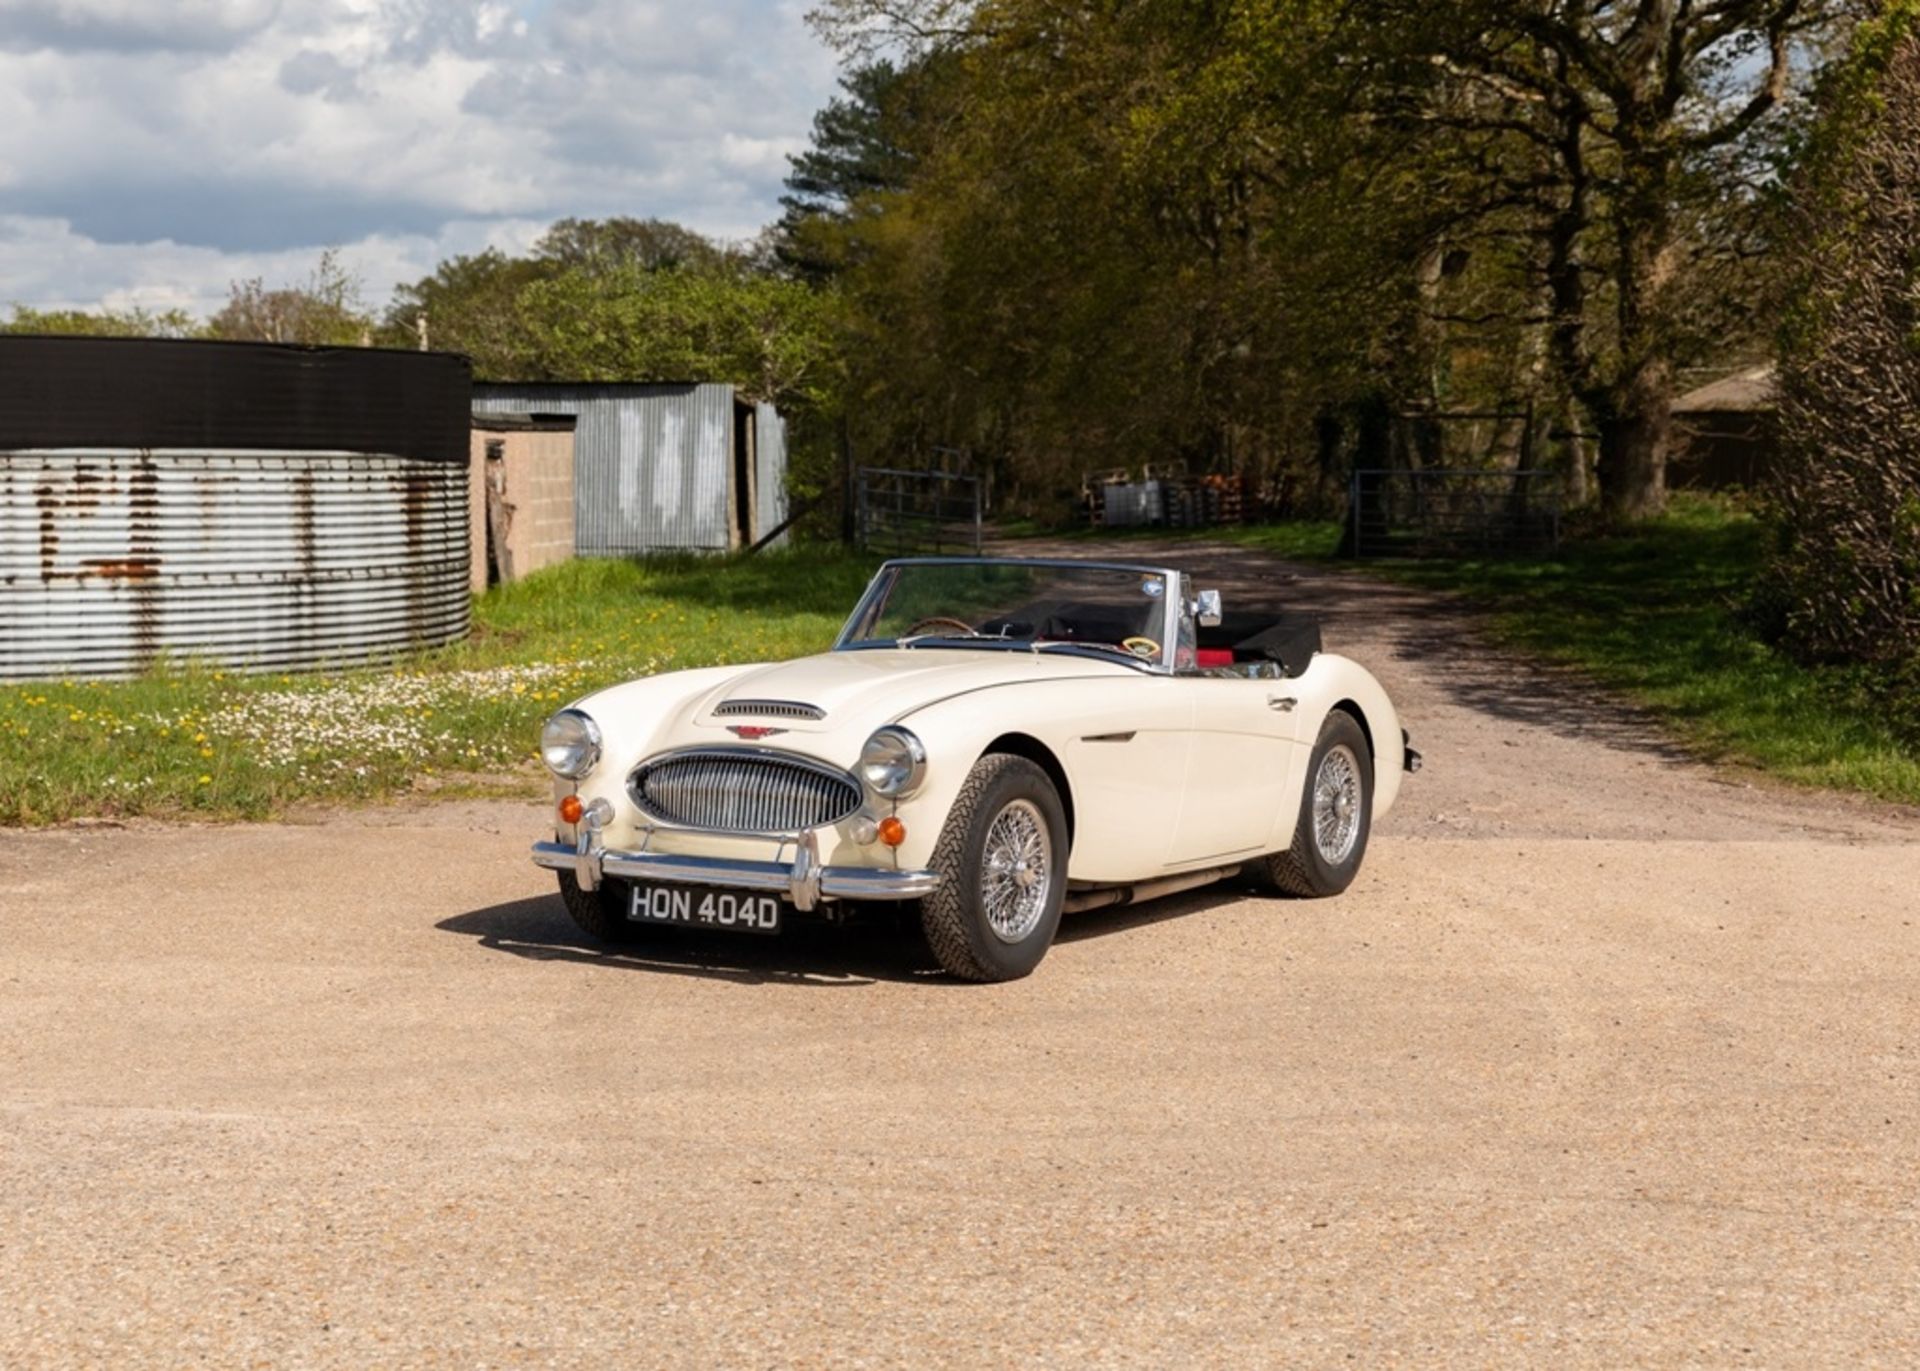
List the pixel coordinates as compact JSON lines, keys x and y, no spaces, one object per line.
{"x":1142,"y":647}
{"x":940,"y":621}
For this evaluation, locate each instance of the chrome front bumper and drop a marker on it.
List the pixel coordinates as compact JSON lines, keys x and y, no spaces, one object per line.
{"x":803,"y":880}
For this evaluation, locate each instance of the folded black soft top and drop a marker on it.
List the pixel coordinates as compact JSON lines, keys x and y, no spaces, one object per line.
{"x":1291,"y":639}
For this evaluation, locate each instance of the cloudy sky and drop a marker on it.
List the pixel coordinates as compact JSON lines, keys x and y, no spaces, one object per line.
{"x":153,"y":150}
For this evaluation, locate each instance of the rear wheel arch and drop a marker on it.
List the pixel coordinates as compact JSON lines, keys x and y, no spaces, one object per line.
{"x":1042,"y":756}
{"x":1366,"y":729}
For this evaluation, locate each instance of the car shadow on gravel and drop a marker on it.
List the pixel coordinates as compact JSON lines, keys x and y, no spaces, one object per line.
{"x":879,"y":946}
{"x":806,"y":953}
{"x":1102,"y":923}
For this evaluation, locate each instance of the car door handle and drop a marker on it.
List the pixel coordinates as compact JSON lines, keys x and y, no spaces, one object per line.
{"x":1283,"y":703}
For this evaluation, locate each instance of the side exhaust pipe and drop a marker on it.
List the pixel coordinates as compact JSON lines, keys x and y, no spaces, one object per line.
{"x":1078,"y":901}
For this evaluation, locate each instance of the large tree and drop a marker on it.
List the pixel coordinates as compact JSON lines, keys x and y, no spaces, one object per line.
{"x":859,"y":152}
{"x":1636,"y":138}
{"x":599,"y":245}
{"x":1846,"y":576}
{"x":323,"y":310}
{"x":1539,"y":196}
{"x":470,"y":304}
{"x":768,"y":336}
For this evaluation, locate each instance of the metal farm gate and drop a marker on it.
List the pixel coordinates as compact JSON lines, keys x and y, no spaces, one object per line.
{"x":1449,"y":512}
{"x":903,"y":512}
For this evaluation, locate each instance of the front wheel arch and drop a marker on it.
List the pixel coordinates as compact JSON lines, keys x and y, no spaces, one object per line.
{"x":1042,"y":756}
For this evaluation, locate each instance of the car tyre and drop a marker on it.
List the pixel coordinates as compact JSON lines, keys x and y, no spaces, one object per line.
{"x":1336,"y":815}
{"x":601,"y":914}
{"x":1002,"y":859}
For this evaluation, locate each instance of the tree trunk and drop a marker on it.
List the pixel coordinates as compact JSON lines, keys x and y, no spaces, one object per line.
{"x":1637,"y":419}
{"x":1579,"y":488}
{"x":1634,"y":436}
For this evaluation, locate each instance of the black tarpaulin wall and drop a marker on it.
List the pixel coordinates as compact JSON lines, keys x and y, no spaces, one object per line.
{"x":164,"y":393}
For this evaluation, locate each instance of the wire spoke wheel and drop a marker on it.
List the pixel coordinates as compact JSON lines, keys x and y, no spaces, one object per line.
{"x":1016,"y":869}
{"x":1002,"y":860}
{"x":1336,"y":804}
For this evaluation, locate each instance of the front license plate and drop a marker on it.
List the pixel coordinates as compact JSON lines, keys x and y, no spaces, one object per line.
{"x":696,"y":907}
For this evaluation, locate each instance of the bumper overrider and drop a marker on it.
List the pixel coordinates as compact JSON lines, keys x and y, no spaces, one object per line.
{"x":801,"y":879}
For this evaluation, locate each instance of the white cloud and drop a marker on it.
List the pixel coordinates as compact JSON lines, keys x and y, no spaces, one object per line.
{"x":255,"y":132}
{"x":50,"y":266}
{"x":131,"y":25}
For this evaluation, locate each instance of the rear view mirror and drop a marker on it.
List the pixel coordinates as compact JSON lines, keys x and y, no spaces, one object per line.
{"x":1206,"y":608}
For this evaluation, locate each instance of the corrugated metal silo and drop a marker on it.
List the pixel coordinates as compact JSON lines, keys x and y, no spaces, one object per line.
{"x":252,"y":506}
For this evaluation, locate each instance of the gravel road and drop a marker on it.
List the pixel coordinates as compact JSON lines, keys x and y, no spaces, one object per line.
{"x":1607,"y":1059}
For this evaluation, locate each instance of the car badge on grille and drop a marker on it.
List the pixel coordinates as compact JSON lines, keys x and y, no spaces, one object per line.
{"x":753,"y":733}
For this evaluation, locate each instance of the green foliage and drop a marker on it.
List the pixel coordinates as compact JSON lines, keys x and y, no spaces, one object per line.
{"x":103,"y":323}
{"x":769,"y":336}
{"x":606,"y":245}
{"x":858,"y":154}
{"x":470,"y":304}
{"x":1261,"y":235}
{"x":323,"y":311}
{"x":189,"y":739}
{"x":1844,"y":581}
{"x":1101,"y":259}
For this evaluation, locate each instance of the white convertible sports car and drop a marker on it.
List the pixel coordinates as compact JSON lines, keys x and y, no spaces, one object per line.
{"x":999,"y":740}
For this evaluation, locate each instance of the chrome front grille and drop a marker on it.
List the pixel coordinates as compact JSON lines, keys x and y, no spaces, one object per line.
{"x":767,"y":709}
{"x":743,"y":790}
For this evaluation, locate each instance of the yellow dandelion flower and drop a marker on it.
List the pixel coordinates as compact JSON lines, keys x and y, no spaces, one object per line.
{"x":206,"y":780}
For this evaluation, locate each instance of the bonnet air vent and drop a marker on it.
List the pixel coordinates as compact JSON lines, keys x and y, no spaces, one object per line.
{"x":767,"y":709}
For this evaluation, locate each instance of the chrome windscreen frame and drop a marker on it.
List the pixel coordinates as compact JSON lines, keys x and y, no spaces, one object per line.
{"x":1172,"y":598}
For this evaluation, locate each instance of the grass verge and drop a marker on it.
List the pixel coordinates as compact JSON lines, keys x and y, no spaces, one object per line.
{"x":193,"y":740}
{"x":1657,"y":613}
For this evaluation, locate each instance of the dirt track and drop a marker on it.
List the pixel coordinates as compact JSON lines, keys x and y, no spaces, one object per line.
{"x":1606,"y":1059}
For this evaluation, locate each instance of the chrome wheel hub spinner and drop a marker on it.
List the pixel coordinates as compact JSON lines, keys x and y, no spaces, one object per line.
{"x":1336,"y":805}
{"x":1016,"y":868}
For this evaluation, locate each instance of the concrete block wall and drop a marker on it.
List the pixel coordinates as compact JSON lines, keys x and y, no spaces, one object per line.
{"x":538,"y":467}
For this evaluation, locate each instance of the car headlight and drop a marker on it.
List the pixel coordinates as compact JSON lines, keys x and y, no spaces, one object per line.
{"x":570,"y":744}
{"x":893,"y":763}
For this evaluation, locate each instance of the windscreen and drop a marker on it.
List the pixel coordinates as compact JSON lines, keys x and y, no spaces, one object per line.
{"x":990,"y":604}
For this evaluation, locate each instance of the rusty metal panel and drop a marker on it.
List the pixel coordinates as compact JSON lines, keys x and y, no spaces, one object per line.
{"x":652,"y":463}
{"x":111,"y":559}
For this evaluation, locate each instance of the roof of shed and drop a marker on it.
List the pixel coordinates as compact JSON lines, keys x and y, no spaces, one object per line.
{"x":1744,"y":392}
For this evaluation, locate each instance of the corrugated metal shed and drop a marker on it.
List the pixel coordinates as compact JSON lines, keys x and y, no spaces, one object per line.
{"x":661,"y":467}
